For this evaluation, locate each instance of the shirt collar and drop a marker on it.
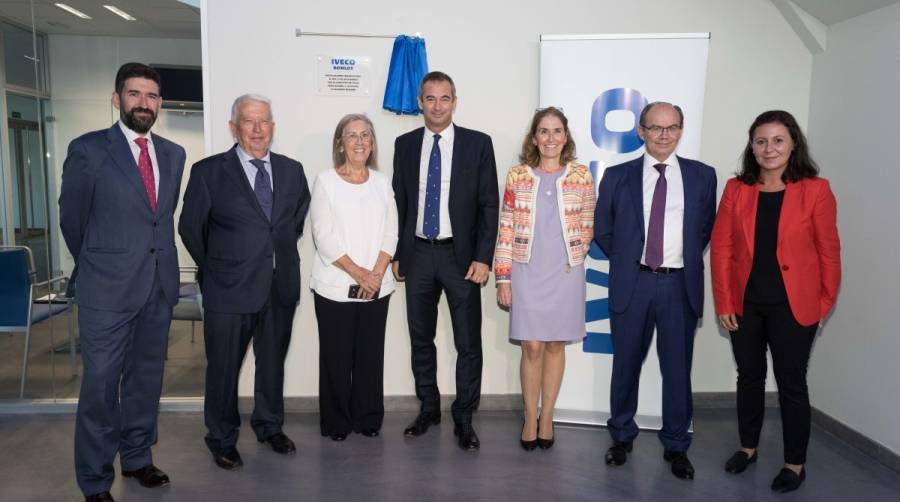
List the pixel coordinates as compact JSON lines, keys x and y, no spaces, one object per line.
{"x":650,"y":161}
{"x":131,"y":135}
{"x":446,"y":135}
{"x":246,"y":157}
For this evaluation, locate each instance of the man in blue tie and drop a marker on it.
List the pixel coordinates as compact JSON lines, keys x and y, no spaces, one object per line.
{"x":242,"y":216}
{"x":119,"y":191}
{"x":445,"y":185}
{"x":653,"y":220}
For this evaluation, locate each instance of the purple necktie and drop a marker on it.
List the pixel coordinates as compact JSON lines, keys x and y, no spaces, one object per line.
{"x":657,"y":220}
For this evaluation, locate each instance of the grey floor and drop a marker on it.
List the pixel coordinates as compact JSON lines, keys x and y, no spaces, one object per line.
{"x":36,"y":464}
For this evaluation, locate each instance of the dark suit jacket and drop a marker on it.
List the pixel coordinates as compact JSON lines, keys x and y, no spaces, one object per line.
{"x":117,"y":241}
{"x":808,"y":248}
{"x":619,"y":226}
{"x":474,"y":197}
{"x":231,"y":240}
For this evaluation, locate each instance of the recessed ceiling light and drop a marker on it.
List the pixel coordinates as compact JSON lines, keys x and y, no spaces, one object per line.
{"x":72,"y":10}
{"x":119,"y":12}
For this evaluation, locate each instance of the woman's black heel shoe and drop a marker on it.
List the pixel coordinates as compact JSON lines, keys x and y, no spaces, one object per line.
{"x":527,"y":445}
{"x":546,"y":444}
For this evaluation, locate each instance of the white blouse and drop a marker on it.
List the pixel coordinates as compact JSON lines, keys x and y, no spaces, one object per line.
{"x":357,"y":220}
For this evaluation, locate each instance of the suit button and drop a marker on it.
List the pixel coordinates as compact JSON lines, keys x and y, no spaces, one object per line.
{"x":785,"y":267}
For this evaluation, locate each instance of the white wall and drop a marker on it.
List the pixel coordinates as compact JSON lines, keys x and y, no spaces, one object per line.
{"x":854,"y":371}
{"x":756,"y":62}
{"x":82,"y":76}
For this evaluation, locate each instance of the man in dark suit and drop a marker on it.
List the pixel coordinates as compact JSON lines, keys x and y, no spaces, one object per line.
{"x":445,"y":183}
{"x":653,"y":220}
{"x":119,"y":191}
{"x":243,"y":214}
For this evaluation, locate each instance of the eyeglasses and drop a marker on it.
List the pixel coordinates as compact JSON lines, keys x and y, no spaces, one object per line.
{"x":557,"y":108}
{"x":656,"y":130}
{"x":364,"y":137}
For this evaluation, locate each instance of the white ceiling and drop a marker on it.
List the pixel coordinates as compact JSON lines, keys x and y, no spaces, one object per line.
{"x":155,"y":18}
{"x":835,"y":11}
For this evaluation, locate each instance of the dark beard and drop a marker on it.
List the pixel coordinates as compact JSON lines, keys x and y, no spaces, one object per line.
{"x":137,"y":124}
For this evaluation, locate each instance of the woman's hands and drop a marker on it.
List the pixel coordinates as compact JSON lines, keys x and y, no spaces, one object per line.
{"x":504,"y":294}
{"x":369,"y":282}
{"x":729,"y":321}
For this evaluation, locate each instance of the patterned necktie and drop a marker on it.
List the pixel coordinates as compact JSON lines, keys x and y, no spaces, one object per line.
{"x":657,"y":220}
{"x":262,"y":187}
{"x":145,"y":167}
{"x":431,"y":222}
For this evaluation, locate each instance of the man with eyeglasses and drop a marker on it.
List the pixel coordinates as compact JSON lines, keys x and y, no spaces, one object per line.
{"x":242,"y":216}
{"x":653,"y":220}
{"x":445,"y":185}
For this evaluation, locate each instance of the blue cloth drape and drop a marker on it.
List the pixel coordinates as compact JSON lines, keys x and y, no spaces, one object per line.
{"x":409,"y":64}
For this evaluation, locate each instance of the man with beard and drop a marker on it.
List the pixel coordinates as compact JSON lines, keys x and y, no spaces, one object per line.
{"x":116,"y":211}
{"x":242,"y":216}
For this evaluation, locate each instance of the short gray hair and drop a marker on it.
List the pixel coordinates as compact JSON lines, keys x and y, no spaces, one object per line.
{"x":243,"y":98}
{"x":337,"y":154}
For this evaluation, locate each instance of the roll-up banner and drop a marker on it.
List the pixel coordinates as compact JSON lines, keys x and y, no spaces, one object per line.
{"x":602,"y":82}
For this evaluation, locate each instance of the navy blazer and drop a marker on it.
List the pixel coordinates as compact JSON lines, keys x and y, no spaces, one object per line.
{"x":474,"y":197}
{"x":117,"y":241}
{"x":619,"y":226}
{"x":227,"y":234}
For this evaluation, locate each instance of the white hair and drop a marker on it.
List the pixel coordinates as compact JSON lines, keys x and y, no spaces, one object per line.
{"x":235,"y":108}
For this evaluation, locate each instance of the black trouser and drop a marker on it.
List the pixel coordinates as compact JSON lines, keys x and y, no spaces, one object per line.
{"x":790,"y":344}
{"x":227,"y":337}
{"x":351,"y":364}
{"x":434,"y":269}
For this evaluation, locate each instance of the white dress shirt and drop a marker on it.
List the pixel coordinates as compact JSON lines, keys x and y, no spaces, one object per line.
{"x":673,"y":235}
{"x":130,"y":136}
{"x":250,"y":169}
{"x":445,"y":144}
{"x":357,"y":220}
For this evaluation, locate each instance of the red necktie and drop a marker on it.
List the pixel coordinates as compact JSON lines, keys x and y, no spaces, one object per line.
{"x":145,"y":166}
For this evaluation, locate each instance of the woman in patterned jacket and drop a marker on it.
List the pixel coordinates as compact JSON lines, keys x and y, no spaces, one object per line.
{"x":546,"y":227}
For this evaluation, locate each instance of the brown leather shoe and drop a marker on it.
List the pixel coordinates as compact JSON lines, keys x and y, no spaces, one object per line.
{"x":149,"y":476}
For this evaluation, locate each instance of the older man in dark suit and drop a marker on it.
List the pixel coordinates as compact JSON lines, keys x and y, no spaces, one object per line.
{"x":119,"y":191}
{"x":445,"y":184}
{"x":653,"y":219}
{"x":243,"y":214}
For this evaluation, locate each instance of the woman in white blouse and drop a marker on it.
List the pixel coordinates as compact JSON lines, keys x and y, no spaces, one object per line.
{"x":354,"y":227}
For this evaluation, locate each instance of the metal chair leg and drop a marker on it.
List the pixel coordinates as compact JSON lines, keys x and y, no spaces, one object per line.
{"x":25,"y":362}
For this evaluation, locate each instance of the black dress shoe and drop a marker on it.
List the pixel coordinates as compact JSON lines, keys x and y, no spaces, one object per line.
{"x":338,"y":436}
{"x":421,"y":424}
{"x":468,"y":440}
{"x":228,"y":459}
{"x":681,"y":466}
{"x":617,"y":454}
{"x":149,"y":476}
{"x":787,"y":480}
{"x":369,"y":432}
{"x":739,"y":461}
{"x":99,"y":497}
{"x":528,"y":445}
{"x":280,"y":443}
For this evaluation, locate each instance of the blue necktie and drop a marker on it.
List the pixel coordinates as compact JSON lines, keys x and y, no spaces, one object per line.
{"x":262,"y":187}
{"x":431,"y":221}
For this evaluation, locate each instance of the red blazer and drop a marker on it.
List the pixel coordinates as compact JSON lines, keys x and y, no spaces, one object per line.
{"x":808,"y":249}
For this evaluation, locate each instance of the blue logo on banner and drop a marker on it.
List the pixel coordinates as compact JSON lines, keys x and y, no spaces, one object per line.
{"x":597,"y":310}
{"x":621,"y":98}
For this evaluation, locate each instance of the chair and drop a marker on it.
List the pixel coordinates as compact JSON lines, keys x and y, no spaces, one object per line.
{"x":19,"y":310}
{"x":190,"y":301}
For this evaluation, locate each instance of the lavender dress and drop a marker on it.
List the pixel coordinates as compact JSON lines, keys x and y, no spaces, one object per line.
{"x":547,"y":295}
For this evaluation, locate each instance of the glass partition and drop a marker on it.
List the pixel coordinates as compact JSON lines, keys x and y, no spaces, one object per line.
{"x":57,"y":72}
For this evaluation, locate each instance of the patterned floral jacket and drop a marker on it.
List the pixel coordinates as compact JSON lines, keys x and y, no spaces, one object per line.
{"x":576,"y":199}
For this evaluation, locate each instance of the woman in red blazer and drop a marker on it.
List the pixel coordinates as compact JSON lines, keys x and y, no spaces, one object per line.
{"x":776,"y":268}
